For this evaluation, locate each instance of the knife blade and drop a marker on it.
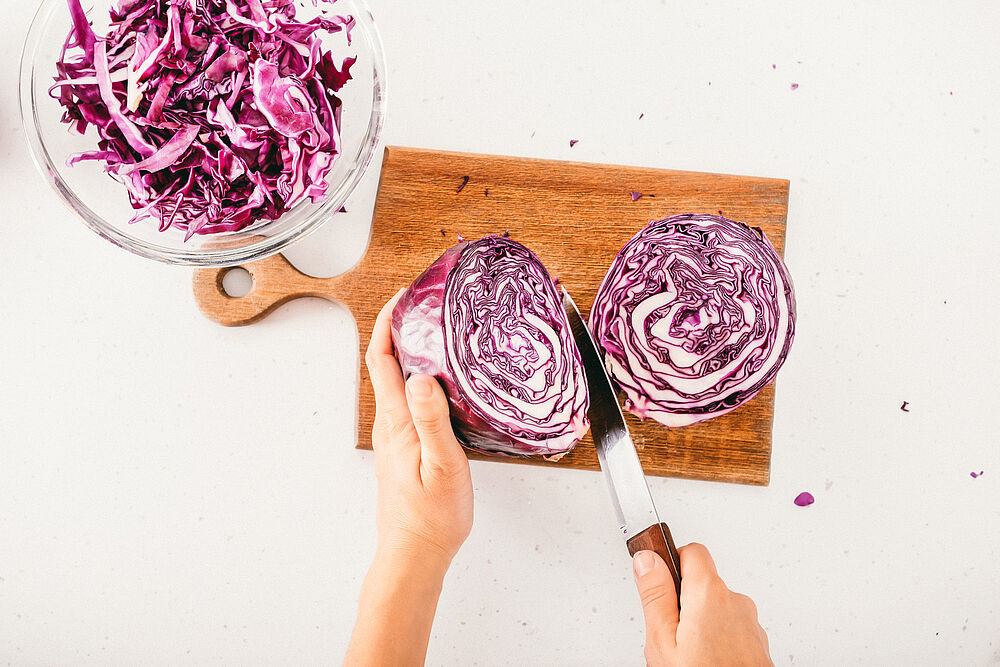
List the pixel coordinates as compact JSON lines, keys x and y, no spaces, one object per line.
{"x":633,"y":504}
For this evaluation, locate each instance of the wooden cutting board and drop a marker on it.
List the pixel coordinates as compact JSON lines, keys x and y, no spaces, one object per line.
{"x":575,"y":217}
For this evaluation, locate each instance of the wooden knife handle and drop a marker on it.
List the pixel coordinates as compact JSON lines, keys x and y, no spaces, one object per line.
{"x":657,"y":538}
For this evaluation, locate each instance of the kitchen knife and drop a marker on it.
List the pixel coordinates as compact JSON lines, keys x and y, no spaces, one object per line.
{"x":629,"y":494}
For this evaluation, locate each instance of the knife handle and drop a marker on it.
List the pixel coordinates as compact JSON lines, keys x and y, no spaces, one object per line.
{"x":657,"y":538}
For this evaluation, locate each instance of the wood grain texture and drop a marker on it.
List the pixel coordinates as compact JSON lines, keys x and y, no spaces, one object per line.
{"x":657,"y":538}
{"x":576,"y":217}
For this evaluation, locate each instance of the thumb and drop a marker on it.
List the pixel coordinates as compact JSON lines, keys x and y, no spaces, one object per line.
{"x":658,"y":596}
{"x":439,"y":450}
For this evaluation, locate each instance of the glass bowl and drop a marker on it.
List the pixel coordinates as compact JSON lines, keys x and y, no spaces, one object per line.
{"x":103,"y":203}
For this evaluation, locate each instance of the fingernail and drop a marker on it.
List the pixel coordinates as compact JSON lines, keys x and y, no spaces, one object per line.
{"x":644,"y":562}
{"x":419,"y":386}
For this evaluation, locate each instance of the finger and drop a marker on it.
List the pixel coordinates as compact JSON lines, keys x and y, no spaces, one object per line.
{"x":391,"y":412}
{"x":697,"y":564}
{"x":439,"y":450}
{"x":748,"y":605}
{"x":381,"y":340}
{"x":764,"y":640}
{"x":390,"y":397}
{"x":658,"y":597}
{"x":382,"y":365}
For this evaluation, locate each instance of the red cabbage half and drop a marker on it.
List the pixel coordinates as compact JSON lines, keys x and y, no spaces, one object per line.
{"x":695,"y":317}
{"x":486,"y":320}
{"x":213,"y":114}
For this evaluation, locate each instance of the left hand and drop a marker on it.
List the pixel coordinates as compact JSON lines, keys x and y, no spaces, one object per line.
{"x":424,"y":510}
{"x":424,"y":484}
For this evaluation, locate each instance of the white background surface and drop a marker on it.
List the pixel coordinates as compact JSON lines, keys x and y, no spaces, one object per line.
{"x":173,"y":492}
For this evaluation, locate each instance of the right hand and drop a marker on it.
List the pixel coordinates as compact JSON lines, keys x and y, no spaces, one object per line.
{"x":714,"y":625}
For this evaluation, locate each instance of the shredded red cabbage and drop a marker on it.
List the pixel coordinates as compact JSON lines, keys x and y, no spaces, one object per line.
{"x":804,"y":499}
{"x":695,"y":316}
{"x":975,"y":475}
{"x":214,"y":114}
{"x":487,"y":321}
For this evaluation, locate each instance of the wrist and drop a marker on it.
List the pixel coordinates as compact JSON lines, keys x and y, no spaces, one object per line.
{"x":412,"y":561}
{"x":397,"y":604}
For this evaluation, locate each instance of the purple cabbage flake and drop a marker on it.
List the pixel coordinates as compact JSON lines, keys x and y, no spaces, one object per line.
{"x":804,"y":499}
{"x":573,"y":142}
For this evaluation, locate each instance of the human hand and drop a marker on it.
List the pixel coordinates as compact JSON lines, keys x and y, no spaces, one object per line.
{"x":424,"y":485}
{"x":423,"y":514}
{"x":714,"y":625}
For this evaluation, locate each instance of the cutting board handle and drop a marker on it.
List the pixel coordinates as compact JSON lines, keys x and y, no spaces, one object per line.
{"x":275,"y":282}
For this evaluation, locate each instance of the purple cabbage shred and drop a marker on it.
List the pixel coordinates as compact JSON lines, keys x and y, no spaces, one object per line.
{"x":461,"y":186}
{"x":573,"y":142}
{"x":214,"y":115}
{"x":804,"y":499}
{"x":903,"y":406}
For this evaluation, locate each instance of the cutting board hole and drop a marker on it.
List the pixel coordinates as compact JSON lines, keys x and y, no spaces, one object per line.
{"x":237,"y":282}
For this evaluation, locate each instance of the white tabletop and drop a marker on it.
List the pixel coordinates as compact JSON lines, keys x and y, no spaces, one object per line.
{"x":173,"y":492}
